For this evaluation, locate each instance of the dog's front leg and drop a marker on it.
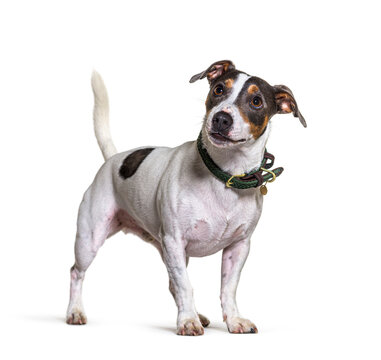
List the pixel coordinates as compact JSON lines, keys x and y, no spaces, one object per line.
{"x":188,"y":322}
{"x":233,"y":259}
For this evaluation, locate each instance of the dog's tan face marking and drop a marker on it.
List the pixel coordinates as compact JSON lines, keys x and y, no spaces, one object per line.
{"x":255,"y":130}
{"x":207,"y":100}
{"x":229,"y":83}
{"x":252,"y":89}
{"x":261,"y":129}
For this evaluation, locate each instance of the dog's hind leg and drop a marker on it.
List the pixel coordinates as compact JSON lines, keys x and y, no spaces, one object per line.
{"x":96,"y":221}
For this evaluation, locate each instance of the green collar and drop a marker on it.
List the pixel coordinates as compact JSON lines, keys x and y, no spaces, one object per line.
{"x":248,"y":180}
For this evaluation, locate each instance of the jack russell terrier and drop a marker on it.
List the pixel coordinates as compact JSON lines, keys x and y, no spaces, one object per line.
{"x":191,"y":200}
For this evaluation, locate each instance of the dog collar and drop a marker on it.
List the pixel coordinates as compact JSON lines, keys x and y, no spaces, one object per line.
{"x":248,"y":180}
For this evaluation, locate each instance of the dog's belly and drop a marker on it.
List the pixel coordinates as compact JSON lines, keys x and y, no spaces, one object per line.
{"x":207,"y":237}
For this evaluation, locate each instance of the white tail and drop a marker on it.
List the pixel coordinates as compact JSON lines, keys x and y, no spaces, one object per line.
{"x":101,"y":117}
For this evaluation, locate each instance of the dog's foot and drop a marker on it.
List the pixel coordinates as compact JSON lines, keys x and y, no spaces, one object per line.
{"x":76,"y":317}
{"x":191,"y":327}
{"x":239,"y":325}
{"x":204,"y":320}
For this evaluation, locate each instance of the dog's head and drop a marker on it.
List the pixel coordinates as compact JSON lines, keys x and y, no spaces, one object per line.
{"x":239,"y":106}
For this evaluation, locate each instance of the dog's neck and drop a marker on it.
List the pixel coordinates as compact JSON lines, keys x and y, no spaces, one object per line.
{"x":238,"y":159}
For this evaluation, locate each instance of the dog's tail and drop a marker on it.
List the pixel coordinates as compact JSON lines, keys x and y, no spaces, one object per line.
{"x":101,"y":117}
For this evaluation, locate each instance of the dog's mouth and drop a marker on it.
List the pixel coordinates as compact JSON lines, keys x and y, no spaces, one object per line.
{"x":221,"y":139}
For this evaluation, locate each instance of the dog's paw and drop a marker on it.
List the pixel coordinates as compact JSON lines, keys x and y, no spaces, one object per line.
{"x":239,"y":325}
{"x":204,"y":320}
{"x":76,"y":317}
{"x":190,"y":327}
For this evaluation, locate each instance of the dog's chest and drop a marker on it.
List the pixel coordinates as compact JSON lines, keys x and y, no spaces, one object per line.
{"x":213,"y":221}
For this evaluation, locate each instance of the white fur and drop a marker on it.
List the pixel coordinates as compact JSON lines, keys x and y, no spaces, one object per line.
{"x":101,"y":117}
{"x":177,"y":205}
{"x":238,"y":85}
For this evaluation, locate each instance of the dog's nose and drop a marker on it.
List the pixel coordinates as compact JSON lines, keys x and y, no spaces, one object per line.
{"x":221,"y":122}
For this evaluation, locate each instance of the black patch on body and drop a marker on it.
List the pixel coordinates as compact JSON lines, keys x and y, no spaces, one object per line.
{"x":132,"y":162}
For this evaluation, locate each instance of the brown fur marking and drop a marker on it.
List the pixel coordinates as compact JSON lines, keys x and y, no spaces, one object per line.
{"x":255,"y":130}
{"x":207,"y":99}
{"x":252,"y":89}
{"x":229,"y":83}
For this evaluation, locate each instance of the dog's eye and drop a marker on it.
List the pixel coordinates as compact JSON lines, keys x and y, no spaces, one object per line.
{"x":218,"y":90}
{"x":256,"y":102}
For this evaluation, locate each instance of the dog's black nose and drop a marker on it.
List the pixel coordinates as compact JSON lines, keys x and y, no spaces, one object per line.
{"x":221,"y":122}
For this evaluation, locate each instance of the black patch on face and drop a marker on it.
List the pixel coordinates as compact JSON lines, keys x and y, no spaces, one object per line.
{"x":132,"y":162}
{"x":266,"y":94}
{"x":212,"y":100}
{"x":258,"y":117}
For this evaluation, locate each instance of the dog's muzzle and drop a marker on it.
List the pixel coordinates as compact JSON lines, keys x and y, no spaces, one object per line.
{"x":221,"y":123}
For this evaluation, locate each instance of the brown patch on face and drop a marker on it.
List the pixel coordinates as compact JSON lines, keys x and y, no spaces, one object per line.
{"x":229,"y":83}
{"x":207,"y":113}
{"x":252,"y":89}
{"x":207,"y":99}
{"x":255,"y":130}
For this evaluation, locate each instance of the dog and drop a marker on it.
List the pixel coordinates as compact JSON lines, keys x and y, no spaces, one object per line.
{"x":170,"y":198}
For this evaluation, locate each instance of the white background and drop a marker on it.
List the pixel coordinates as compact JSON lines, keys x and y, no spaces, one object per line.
{"x":312,"y":281}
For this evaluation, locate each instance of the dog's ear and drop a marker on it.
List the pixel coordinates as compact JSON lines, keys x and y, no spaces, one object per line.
{"x":286,"y":103}
{"x":214,"y":71}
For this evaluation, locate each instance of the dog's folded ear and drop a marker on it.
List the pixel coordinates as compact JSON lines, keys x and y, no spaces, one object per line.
{"x":286,"y":103}
{"x":214,"y":71}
